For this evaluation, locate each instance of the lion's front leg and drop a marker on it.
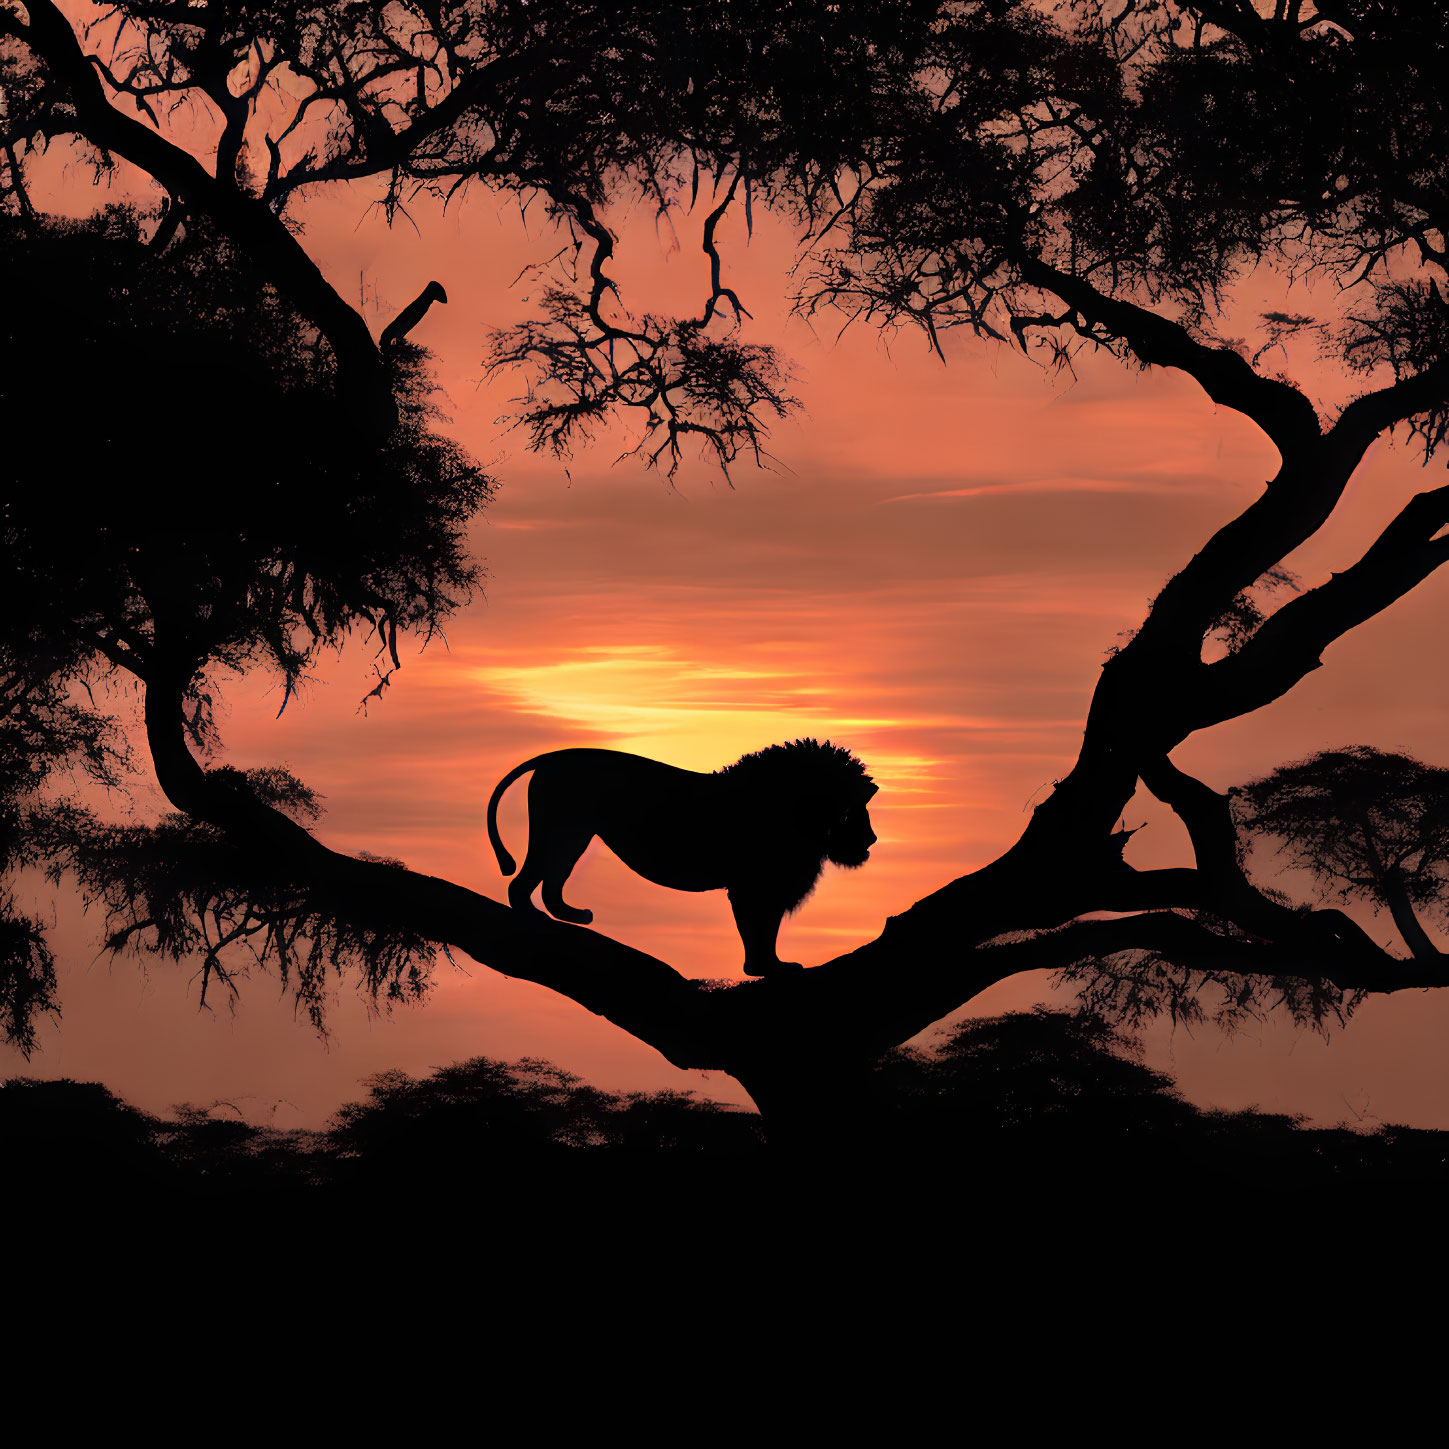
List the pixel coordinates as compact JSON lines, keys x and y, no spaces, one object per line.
{"x":759,"y":926}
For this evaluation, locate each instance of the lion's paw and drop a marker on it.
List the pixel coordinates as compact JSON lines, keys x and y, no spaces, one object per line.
{"x":774,"y":968}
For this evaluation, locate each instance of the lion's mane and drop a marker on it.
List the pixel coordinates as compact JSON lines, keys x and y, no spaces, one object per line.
{"x":824,"y":769}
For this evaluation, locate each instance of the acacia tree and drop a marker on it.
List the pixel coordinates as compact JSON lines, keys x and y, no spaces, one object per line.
{"x":1091,"y":177}
{"x":1369,"y":824}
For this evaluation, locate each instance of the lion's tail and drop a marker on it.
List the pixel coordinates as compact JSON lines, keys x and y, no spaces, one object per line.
{"x":506,"y":862}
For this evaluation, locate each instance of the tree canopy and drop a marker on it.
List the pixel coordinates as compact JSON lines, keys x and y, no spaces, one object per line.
{"x":1093,"y":174}
{"x":1367,"y":823}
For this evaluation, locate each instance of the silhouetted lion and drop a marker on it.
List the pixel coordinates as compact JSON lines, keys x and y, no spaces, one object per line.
{"x":762,"y":829}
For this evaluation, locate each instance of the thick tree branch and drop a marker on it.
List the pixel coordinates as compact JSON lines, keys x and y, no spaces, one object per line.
{"x":1204,"y":812}
{"x":1375,"y":412}
{"x":1188,"y":942}
{"x":928,"y":961}
{"x":168,"y":226}
{"x":642,"y":995}
{"x":1178,"y":887}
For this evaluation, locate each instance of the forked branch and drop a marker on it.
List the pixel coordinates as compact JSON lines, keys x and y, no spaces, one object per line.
{"x":1290,"y":643}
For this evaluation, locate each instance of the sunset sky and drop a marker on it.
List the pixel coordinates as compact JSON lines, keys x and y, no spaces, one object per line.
{"x":933,"y":576}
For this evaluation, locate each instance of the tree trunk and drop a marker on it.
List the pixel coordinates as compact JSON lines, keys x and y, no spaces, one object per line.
{"x":1414,"y":934}
{"x":818,"y":1110}
{"x":1390,"y":885}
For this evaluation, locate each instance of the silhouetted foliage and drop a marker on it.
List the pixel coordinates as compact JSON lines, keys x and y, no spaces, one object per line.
{"x":455,"y":1124}
{"x":69,"y":1136}
{"x":28,"y":983}
{"x":570,"y":105}
{"x":1135,"y":987}
{"x":1040,"y":1096}
{"x":1245,"y":611}
{"x":1159,"y":152}
{"x":217,"y":490}
{"x":184,"y":890}
{"x":241,"y":524}
{"x":1053,"y":1094}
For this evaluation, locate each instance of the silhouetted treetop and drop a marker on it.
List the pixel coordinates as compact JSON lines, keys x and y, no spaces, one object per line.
{"x":1370,"y":824}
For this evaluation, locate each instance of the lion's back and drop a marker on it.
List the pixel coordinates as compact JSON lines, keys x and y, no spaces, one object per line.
{"x":663,"y":822}
{"x":616,"y":779}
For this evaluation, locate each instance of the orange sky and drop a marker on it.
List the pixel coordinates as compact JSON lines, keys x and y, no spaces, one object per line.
{"x":934,"y":579}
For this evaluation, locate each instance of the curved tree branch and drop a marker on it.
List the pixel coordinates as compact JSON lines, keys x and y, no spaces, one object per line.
{"x":1279,"y":409}
{"x":1375,"y":412}
{"x":1315,"y":471}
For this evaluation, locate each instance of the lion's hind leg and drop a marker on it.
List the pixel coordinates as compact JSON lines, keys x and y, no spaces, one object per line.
{"x":563,"y":855}
{"x":549,"y":864}
{"x":523,"y":885}
{"x":557,"y":837}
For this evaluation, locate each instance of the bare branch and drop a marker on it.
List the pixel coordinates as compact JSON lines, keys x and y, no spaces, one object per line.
{"x":412,"y":314}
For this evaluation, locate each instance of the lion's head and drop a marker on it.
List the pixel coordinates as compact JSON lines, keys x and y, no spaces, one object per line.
{"x":851,"y":837}
{"x":827,"y":783}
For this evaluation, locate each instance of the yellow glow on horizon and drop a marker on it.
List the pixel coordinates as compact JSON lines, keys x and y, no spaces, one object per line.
{"x":653,"y":700}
